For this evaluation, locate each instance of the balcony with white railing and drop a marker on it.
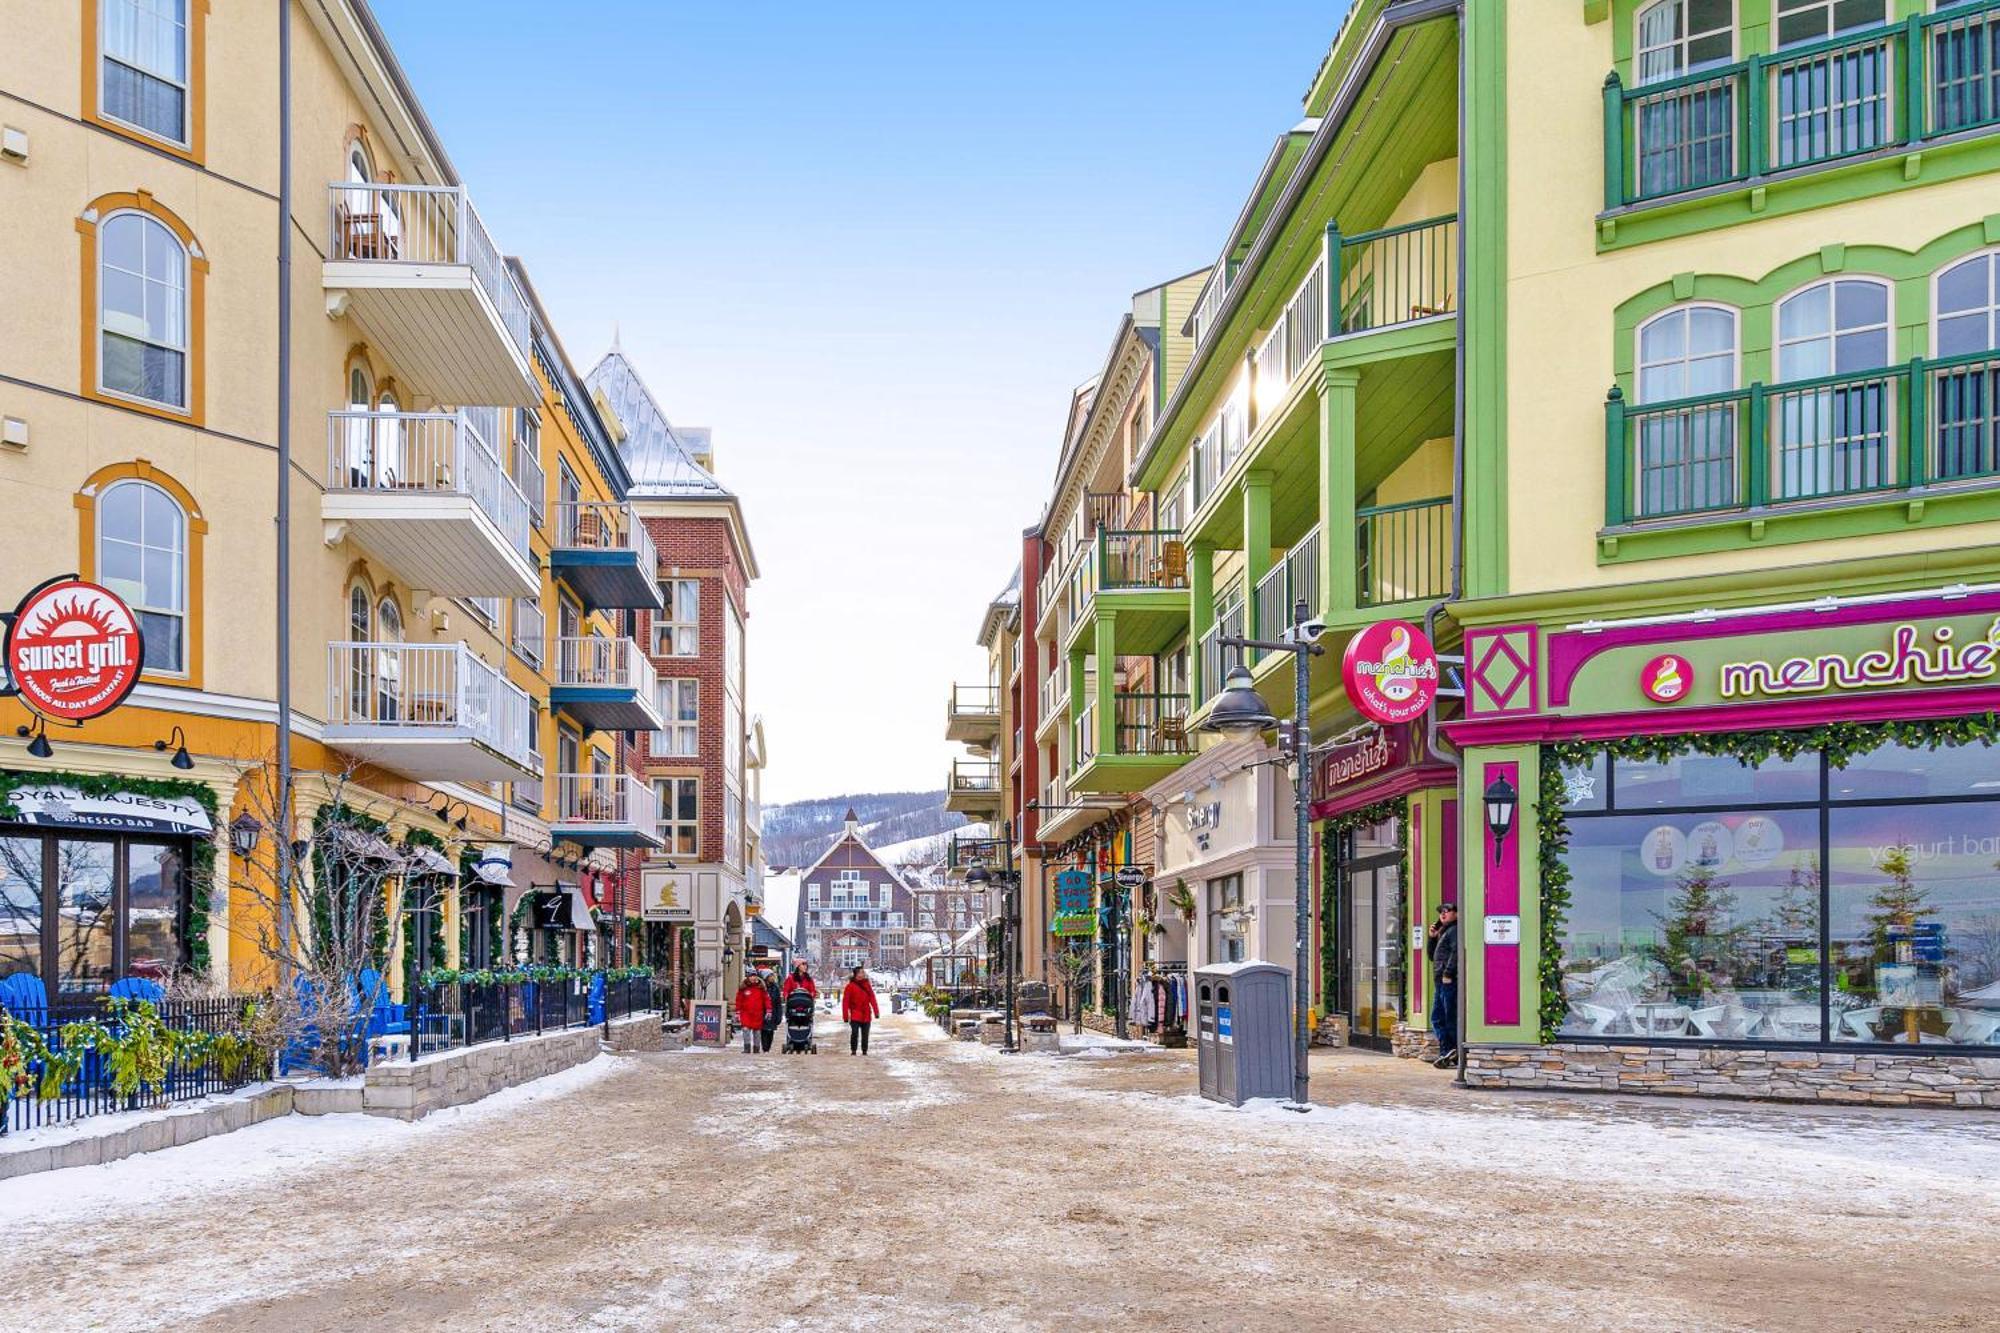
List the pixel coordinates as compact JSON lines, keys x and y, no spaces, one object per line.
{"x":426,"y":492}
{"x":429,"y":711}
{"x":605,"y":684}
{"x":972,"y":716}
{"x":973,"y":786}
{"x":1288,"y":582}
{"x":605,"y":810}
{"x":415,"y":265}
{"x":1054,"y":697}
{"x":603,"y":551}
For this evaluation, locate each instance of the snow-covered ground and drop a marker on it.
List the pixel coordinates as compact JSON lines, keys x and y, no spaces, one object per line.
{"x":943,"y":1184}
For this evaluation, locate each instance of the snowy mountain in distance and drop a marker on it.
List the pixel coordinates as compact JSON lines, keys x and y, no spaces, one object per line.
{"x":798,"y":832}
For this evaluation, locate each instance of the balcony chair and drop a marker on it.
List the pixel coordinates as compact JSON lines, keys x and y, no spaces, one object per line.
{"x":1428,"y":311}
{"x":364,"y":235}
{"x":1170,"y":566}
{"x":596,"y":807}
{"x":589,"y":528}
{"x":1170,"y":737}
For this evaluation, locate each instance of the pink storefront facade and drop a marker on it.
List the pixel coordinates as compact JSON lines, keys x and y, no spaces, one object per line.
{"x":1747,"y":852}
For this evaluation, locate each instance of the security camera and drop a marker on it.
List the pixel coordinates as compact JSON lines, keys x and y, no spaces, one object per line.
{"x":1310,"y":629}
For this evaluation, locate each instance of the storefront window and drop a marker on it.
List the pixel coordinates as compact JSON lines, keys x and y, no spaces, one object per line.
{"x":1712,"y":899}
{"x":84,"y":921}
{"x":20,"y":906}
{"x":1226,"y":924}
{"x":1914,"y":912}
{"x":152,"y":908}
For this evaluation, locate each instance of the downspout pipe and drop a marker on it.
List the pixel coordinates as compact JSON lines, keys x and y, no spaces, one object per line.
{"x":284,"y":497}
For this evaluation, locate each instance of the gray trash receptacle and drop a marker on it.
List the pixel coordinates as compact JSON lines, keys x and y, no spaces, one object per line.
{"x":1243,"y":1031}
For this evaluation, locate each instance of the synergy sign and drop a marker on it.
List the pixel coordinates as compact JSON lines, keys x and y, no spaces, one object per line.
{"x":1391,"y":672}
{"x":73,"y":650}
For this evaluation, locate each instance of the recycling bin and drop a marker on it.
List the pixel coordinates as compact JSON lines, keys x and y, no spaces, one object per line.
{"x":1243,"y":1031}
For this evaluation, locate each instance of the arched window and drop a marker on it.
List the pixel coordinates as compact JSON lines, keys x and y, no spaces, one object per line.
{"x":1686,"y":459}
{"x":1965,"y":399}
{"x":368,"y":223}
{"x":1835,"y":439}
{"x":142,"y":311}
{"x":1686,"y":135}
{"x":358,"y":623}
{"x":360,"y":438}
{"x":142,"y":556}
{"x":389,"y":660}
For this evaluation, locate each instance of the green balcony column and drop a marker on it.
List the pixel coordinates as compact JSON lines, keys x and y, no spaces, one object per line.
{"x":1077,"y":659}
{"x":1337,"y":438}
{"x":1201,"y":607}
{"x":1614,"y":142}
{"x":1107,"y":684}
{"x":1256,"y":544}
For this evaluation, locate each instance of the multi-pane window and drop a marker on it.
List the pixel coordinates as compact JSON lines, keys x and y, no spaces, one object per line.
{"x":732,"y":740}
{"x":732,"y":827}
{"x":143,"y":310}
{"x":680,"y":815}
{"x":680,"y":704}
{"x":1676,"y":37}
{"x":529,"y":629}
{"x":142,"y":556}
{"x":1834,"y":438}
{"x":677,"y":627}
{"x":144,"y":70}
{"x":528,"y":461}
{"x":527,"y":792}
{"x":1965,"y":398}
{"x":1687,"y":456}
{"x":732,"y":652}
{"x":1814,"y":20}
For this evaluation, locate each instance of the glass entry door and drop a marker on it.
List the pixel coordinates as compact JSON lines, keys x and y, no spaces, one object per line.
{"x":1374,"y":949}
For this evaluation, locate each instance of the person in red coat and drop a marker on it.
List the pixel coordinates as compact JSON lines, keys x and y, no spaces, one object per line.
{"x":858,"y":1007}
{"x":801,"y":979}
{"x":752,"y":1002}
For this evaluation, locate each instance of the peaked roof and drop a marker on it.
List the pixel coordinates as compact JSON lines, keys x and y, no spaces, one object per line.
{"x":850,"y":817}
{"x":658,"y":459}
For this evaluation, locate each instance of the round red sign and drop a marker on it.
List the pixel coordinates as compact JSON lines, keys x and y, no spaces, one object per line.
{"x":1666,"y":679}
{"x":1391,"y":671}
{"x":73,"y":650}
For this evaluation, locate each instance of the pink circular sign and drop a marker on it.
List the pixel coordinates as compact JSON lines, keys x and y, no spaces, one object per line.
{"x":1391,"y":671}
{"x":1667,"y":678}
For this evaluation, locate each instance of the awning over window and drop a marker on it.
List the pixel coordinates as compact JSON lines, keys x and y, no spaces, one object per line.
{"x":120,"y":811}
{"x":363,"y":845}
{"x":428,"y":861}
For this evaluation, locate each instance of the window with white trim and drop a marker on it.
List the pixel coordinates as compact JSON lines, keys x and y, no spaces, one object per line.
{"x":680,"y":815}
{"x":142,"y":310}
{"x":142,"y":553}
{"x":1677,"y":37}
{"x":1815,"y":20}
{"x":1834,"y":438}
{"x":677,"y":627}
{"x":1965,"y":418}
{"x":143,"y":68}
{"x":680,"y":703}
{"x":732,"y":827}
{"x":1686,"y":458}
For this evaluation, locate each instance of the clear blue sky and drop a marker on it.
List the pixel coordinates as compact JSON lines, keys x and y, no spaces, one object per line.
{"x":874,"y":246}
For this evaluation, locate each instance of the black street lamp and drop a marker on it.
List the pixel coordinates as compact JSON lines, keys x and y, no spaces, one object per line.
{"x":244,"y":830}
{"x":1240,"y":711}
{"x":1502,"y":801}
{"x":1010,"y":883}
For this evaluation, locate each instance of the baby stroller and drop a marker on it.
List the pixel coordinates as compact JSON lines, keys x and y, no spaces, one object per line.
{"x":799,"y":1024}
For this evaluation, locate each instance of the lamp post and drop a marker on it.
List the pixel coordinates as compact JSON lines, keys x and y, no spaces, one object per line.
{"x":1010,"y":885}
{"x":1240,"y":711}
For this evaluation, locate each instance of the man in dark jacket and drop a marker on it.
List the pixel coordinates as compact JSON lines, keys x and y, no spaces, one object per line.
{"x":774,"y":1009}
{"x":1441,"y":947}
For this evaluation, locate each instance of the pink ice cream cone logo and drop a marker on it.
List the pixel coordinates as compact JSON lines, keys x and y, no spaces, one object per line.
{"x":1667,"y":678}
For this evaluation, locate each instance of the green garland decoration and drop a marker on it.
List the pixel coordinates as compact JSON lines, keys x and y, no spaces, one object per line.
{"x":1336,"y":828}
{"x":201,"y":872}
{"x":1840,"y":742}
{"x":323,"y":867}
{"x":433,"y":919}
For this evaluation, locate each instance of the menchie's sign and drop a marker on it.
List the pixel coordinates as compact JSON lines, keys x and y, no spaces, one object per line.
{"x":1915,"y":655}
{"x":1356,"y":762}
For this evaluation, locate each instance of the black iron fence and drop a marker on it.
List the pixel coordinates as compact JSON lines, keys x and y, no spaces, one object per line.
{"x":75,"y":1058}
{"x":471,"y":1013}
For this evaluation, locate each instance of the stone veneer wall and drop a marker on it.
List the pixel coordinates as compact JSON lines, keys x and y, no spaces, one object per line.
{"x":1410,"y":1042}
{"x":1938,"y":1077}
{"x":411,"y":1090}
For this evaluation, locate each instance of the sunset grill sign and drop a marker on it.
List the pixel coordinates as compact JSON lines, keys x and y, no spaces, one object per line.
{"x":73,"y":650}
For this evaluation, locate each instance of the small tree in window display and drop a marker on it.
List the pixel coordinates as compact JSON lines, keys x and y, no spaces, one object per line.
{"x":1701,"y":941}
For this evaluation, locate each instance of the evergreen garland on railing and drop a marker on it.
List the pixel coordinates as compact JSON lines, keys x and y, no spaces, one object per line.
{"x":1840,"y":742}
{"x":201,"y":871}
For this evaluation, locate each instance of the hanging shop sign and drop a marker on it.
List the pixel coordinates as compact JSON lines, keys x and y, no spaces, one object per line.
{"x":1073,"y":923}
{"x":120,"y":811}
{"x":1129,"y":877}
{"x":1391,"y":672}
{"x":1072,"y":892}
{"x":666,"y":895}
{"x":73,"y":650}
{"x":1360,"y":761}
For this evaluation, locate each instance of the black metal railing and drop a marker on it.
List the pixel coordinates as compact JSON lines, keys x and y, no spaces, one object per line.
{"x":72,"y":1050}
{"x":1402,"y":551}
{"x":466,"y":1012}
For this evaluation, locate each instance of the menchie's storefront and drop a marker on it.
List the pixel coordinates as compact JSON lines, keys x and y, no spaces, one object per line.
{"x":1764,"y":847}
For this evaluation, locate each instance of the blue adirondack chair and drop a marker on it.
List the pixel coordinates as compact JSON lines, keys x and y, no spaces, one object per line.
{"x":25,"y":997}
{"x":596,"y":997}
{"x":139,"y":988}
{"x":299,"y":1055}
{"x":382,"y":1017}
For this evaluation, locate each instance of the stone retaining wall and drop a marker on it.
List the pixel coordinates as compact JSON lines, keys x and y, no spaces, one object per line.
{"x":1935,"y":1078}
{"x":94,"y":1144}
{"x":640,"y":1032}
{"x":1410,"y":1042}
{"x":410,"y":1090}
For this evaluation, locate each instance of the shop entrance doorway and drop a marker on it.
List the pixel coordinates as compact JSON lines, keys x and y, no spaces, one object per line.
{"x":1373,"y":958}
